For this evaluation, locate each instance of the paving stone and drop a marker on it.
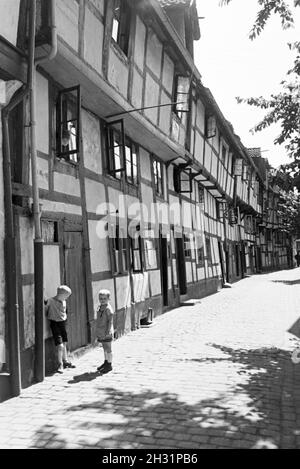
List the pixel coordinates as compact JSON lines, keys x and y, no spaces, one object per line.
{"x":222,"y":378}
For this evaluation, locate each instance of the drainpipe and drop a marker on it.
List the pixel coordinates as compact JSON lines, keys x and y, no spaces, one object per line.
{"x":10,"y":245}
{"x":10,"y":252}
{"x":39,"y":366}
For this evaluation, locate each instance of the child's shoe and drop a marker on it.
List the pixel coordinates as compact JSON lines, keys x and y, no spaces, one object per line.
{"x":107,"y":368}
{"x":100,"y":368}
{"x":67,"y":364}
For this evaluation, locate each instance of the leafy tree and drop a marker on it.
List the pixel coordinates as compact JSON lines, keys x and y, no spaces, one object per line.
{"x":268,"y":8}
{"x":282,"y":108}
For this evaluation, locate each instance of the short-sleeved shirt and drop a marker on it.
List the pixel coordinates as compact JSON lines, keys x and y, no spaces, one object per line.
{"x":105,"y":325}
{"x":56,"y":310}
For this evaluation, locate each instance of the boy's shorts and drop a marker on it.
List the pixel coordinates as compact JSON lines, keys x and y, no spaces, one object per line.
{"x":105,"y":340}
{"x":59,"y":332}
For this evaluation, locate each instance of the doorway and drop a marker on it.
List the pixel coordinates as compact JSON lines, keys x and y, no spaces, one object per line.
{"x":164,"y":268}
{"x":74,"y":277}
{"x":180,"y":258}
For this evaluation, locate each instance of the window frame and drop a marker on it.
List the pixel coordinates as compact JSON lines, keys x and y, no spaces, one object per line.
{"x":60,"y":121}
{"x":177,"y":94}
{"x":158,"y":182}
{"x":155,"y":249}
{"x":116,"y":248}
{"x":123,"y":27}
{"x":208,"y":250}
{"x":200,"y":256}
{"x":187,"y":246}
{"x":56,"y":231}
{"x":210,"y":126}
{"x":111,"y":132}
{"x":139,"y":248}
{"x":134,"y":178}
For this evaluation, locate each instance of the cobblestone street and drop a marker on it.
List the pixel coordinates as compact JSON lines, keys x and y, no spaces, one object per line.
{"x":213,"y":374}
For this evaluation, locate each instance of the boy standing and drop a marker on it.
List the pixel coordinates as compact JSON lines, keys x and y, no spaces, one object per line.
{"x":105,"y":329}
{"x":56,"y":311}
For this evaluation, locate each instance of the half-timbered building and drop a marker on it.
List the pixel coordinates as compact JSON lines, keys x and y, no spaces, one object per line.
{"x":121,"y":172}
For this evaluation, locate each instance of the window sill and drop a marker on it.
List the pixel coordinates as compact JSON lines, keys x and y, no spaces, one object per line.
{"x":117,"y":49}
{"x":70,"y":167}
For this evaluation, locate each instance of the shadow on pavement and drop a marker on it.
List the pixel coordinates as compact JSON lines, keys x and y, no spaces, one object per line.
{"x":259,"y":412}
{"x":287,"y":282}
{"x":85,"y":377}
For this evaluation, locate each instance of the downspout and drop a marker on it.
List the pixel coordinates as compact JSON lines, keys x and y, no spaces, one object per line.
{"x":9,"y":243}
{"x":39,"y":366}
{"x":10,"y":252}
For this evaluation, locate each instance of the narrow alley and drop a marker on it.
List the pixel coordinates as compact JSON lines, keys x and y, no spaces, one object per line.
{"x":216,"y":373}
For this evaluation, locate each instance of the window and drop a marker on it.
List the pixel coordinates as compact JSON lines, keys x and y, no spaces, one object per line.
{"x":115,"y":141}
{"x":210,"y":126}
{"x":238,"y":167}
{"x":187,"y":246}
{"x":183,"y":182}
{"x":150,"y":249}
{"x":200,"y":251}
{"x":131,"y":162}
{"x":158,"y":180}
{"x":246,"y":172}
{"x":208,"y":250}
{"x":121,"y":24}
{"x":49,"y":231}
{"x":223,"y":154}
{"x":201,"y":194}
{"x":181,"y":95}
{"x":68,"y":124}
{"x":136,"y":250}
{"x":118,"y":249}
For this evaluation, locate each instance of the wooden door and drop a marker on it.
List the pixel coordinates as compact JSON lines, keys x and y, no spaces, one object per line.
{"x":164,"y":268}
{"x":180,"y":259}
{"x":74,"y":278}
{"x":220,"y":248}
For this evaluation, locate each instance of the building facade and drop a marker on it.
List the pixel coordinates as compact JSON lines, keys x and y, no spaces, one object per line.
{"x":143,"y":187}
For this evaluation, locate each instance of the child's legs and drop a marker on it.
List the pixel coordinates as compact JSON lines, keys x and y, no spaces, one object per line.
{"x":60,"y":352}
{"x":65,"y":353}
{"x":107,"y":351}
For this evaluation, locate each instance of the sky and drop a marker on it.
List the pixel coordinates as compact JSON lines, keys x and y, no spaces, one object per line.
{"x":232,"y":65}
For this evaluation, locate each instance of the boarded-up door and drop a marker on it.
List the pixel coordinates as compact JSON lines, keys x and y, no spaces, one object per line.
{"x":74,"y":278}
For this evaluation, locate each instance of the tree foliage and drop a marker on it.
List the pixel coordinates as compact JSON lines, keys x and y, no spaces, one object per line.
{"x":284,"y":107}
{"x":267,"y":9}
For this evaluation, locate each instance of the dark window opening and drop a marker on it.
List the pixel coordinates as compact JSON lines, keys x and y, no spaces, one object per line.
{"x":187,"y":246}
{"x":68,"y":124}
{"x":136,"y":251}
{"x":49,"y":231}
{"x":183,"y":183}
{"x":115,"y":141}
{"x":223,"y":154}
{"x":201,"y":194}
{"x":119,"y":249}
{"x":121,"y":24}
{"x":200,"y":251}
{"x":208,"y":250}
